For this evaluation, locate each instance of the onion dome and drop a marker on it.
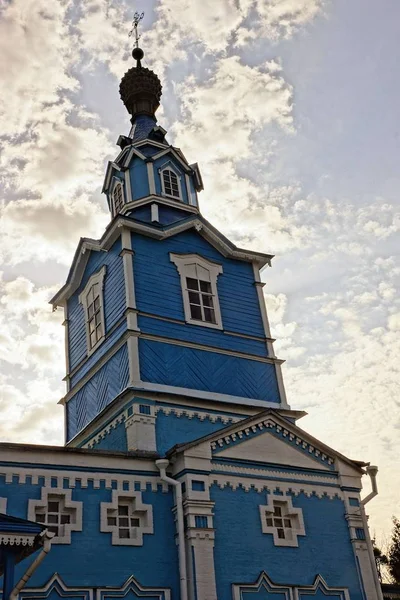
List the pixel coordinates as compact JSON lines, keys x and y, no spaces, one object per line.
{"x":140,"y":88}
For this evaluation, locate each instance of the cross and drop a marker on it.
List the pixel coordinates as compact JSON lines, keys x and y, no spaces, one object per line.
{"x":136,"y":20}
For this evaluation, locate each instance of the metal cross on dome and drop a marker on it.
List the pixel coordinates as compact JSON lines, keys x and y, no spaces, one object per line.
{"x":137,"y":17}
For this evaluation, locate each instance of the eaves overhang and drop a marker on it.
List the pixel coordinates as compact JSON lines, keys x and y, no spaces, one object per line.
{"x":113,"y":232}
{"x":262,"y":416}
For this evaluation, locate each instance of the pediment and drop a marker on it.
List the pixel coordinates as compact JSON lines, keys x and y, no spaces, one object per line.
{"x":268,"y":448}
{"x":271,"y":440}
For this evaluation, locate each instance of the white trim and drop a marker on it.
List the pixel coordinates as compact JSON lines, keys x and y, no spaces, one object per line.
{"x":271,"y":485}
{"x":72,"y":505}
{"x":265,"y":582}
{"x":16,"y":539}
{"x":154,"y":212}
{"x":112,"y":234}
{"x":263,"y":309}
{"x":295,"y":515}
{"x":175,"y":154}
{"x":169,"y":166}
{"x":165,"y":201}
{"x":184,"y":262}
{"x":3,"y":505}
{"x":151,"y":142}
{"x":133,"y":359}
{"x":144,"y":510}
{"x":175,"y":342}
{"x":237,"y":470}
{"x":96,"y":278}
{"x":151,"y":178}
{"x":127,"y":258}
{"x":320,"y":582}
{"x":66,"y":344}
{"x":128,"y":187}
{"x":217,"y":397}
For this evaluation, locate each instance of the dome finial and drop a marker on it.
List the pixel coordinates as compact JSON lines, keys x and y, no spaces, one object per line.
{"x":137,"y":52}
{"x":140,"y":88}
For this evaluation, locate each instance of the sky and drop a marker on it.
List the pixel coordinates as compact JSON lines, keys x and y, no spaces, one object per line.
{"x":290,"y":107}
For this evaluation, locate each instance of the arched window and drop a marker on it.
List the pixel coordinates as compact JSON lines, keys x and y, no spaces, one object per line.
{"x":118,"y":198}
{"x":171,"y":184}
{"x":92,"y":299}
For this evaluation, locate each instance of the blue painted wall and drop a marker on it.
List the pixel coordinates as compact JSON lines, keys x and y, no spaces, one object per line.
{"x":114,"y":302}
{"x":166,"y":214}
{"x":158,"y":289}
{"x":100,"y":390}
{"x":91,"y":560}
{"x":325,"y":549}
{"x":202,"y":370}
{"x":139,"y":179}
{"x":171,"y":430}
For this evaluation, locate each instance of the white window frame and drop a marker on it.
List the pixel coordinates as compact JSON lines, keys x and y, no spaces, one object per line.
{"x":74,"y":507}
{"x":143,"y":512}
{"x":117,"y":182}
{"x":288,"y":512}
{"x":184,"y":264}
{"x":96,"y":278}
{"x":170,"y":167}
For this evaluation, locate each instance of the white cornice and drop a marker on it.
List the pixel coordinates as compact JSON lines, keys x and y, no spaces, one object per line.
{"x":113,"y":232}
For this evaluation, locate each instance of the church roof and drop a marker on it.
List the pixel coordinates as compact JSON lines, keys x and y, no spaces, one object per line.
{"x":278,"y":416}
{"x":113,"y":232}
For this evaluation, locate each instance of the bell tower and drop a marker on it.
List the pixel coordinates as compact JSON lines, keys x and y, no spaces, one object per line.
{"x":167,"y":335}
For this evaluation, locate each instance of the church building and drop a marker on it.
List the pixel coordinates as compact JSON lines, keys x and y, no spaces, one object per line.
{"x":184,"y":474}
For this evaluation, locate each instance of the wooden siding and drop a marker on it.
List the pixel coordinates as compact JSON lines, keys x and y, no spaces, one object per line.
{"x":114,"y":302}
{"x":202,"y":370}
{"x":108,"y":343}
{"x":139,"y":179}
{"x":100,"y":391}
{"x":203,"y":335}
{"x":167,"y":214}
{"x":158,"y":288}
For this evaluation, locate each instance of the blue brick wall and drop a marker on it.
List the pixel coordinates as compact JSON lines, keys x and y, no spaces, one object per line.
{"x":179,"y":366}
{"x":325,"y":549}
{"x":171,"y":430}
{"x":114,"y":302}
{"x":91,"y":560}
{"x":100,"y":390}
{"x":158,"y":289}
{"x":115,"y":439}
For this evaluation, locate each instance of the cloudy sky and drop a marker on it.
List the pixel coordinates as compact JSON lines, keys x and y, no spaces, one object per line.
{"x":291,"y":109}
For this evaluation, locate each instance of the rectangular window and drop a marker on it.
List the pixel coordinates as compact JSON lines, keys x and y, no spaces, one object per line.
{"x":200,"y":300}
{"x":144,"y":409}
{"x":92,"y":299}
{"x":198,"y":486}
{"x":201,"y":522}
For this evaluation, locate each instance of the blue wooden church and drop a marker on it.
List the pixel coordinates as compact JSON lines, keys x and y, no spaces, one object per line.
{"x":184,"y":474}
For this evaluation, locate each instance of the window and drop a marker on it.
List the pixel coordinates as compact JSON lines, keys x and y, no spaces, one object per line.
{"x":280,"y":519}
{"x":126,"y":518}
{"x":199,"y":289}
{"x":118,"y":198}
{"x":58,"y":512}
{"x":92,"y":300}
{"x":277,"y":520}
{"x":170,"y":183}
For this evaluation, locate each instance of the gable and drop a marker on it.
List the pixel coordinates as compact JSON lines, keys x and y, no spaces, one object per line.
{"x":268,"y":448}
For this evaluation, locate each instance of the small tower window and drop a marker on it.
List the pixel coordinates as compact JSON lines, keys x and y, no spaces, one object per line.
{"x":92,"y":300}
{"x":118,"y":198}
{"x":199,"y":289}
{"x":171,"y":185}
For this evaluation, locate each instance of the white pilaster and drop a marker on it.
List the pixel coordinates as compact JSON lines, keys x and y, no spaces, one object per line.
{"x":131,"y":309}
{"x":140,"y":428}
{"x":150,"y":175}
{"x":128,"y":186}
